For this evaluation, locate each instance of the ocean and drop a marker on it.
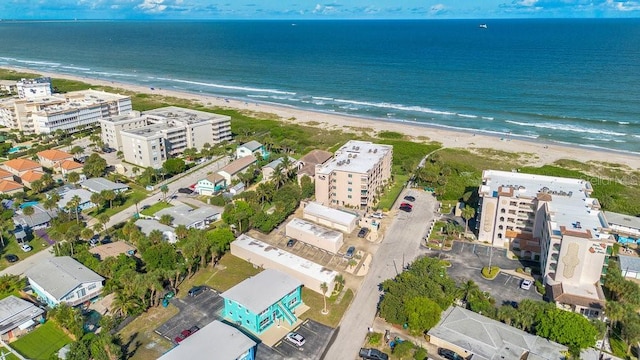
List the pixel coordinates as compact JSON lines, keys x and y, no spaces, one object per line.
{"x":573,"y":81}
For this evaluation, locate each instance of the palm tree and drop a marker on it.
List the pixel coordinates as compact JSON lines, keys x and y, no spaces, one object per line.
{"x":108,"y":195}
{"x":37,"y":186}
{"x":467,"y":214}
{"x":166,"y":219}
{"x":278,"y":178}
{"x":181,"y":232}
{"x":468,"y":288}
{"x":165,"y":190}
{"x":324,"y":287}
{"x":287,"y":165}
{"x":29,"y":211}
{"x":73,"y":177}
{"x":47,"y":180}
{"x":74,"y":204}
{"x":615,"y":311}
{"x":97,"y":199}
{"x":339,"y":282}
{"x":103,"y":219}
{"x":86,"y":234}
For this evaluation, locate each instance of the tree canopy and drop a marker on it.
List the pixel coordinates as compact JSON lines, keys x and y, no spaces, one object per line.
{"x":95,"y":165}
{"x":567,"y":328}
{"x":174,"y":166}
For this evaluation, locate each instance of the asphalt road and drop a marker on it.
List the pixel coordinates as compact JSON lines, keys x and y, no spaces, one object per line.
{"x":21,"y":267}
{"x":401,"y":244}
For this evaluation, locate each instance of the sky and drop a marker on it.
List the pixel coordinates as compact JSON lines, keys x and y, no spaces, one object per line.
{"x":302,"y":9}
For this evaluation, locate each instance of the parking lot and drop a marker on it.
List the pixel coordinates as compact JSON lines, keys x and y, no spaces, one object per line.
{"x":468,"y":259}
{"x":197,"y":310}
{"x":316,"y":338}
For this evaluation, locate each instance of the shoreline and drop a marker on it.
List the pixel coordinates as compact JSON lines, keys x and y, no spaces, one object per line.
{"x":547,"y":152}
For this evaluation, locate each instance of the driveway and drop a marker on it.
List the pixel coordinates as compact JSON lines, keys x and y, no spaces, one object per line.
{"x":197,"y":310}
{"x":21,"y":267}
{"x":400,"y":247}
{"x":316,"y":338}
{"x":468,"y":259}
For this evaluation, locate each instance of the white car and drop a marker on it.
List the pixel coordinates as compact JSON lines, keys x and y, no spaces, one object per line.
{"x":377,"y":215}
{"x":526,"y":284}
{"x":295,"y":338}
{"x":26,"y":247}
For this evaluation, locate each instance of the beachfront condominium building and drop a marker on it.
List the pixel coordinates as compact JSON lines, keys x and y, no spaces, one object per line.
{"x":66,"y":112}
{"x":150,"y":138}
{"x":34,"y":88}
{"x":556,"y":221}
{"x":356,"y":174}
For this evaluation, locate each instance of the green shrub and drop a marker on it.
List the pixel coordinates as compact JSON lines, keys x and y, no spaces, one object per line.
{"x":540,"y":287}
{"x":374,"y":339}
{"x":390,"y":135}
{"x":490,"y":273}
{"x":217,"y":200}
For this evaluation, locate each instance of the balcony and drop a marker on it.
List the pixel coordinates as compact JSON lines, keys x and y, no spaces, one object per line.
{"x":85,"y":298}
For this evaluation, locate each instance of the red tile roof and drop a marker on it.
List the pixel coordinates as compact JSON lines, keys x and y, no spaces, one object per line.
{"x":21,"y":164}
{"x":54,"y":155}
{"x":31,"y":176}
{"x":70,"y":165}
{"x":8,"y":185}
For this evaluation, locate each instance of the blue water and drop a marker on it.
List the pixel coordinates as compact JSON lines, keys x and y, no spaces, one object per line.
{"x":572,"y":81}
{"x":15,"y":149}
{"x":28,"y":203}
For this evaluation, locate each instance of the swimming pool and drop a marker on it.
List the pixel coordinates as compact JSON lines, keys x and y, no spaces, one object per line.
{"x":15,"y":149}
{"x":28,"y":203}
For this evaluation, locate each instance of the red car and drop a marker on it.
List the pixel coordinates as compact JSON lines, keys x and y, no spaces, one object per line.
{"x":405,"y":204}
{"x":183,"y":335}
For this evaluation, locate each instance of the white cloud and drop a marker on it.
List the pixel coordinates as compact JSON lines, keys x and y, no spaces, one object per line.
{"x":527,"y":3}
{"x":624,"y":5}
{"x":152,"y":6}
{"x":437,"y":9}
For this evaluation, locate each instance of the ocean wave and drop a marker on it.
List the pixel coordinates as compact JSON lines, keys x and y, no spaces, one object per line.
{"x":604,"y":139}
{"x":468,"y":116}
{"x":465,"y":129}
{"x":230,"y":87}
{"x":604,"y":148}
{"x":566,"y":127}
{"x":33,"y":62}
{"x":623,"y":122}
{"x":108,"y":74}
{"x":384,"y":105}
{"x":75,"y":68}
{"x":487,"y":117}
{"x":322,"y":98}
{"x":258,"y":96}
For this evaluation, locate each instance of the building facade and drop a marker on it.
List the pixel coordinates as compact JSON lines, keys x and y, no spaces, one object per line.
{"x":355,"y":176}
{"x":150,"y":138}
{"x":555,"y":221}
{"x":69,"y":112}
{"x":34,"y":88}
{"x":280,"y":295}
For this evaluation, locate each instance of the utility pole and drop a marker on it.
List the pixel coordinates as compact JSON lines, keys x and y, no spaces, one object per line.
{"x":490,"y":257}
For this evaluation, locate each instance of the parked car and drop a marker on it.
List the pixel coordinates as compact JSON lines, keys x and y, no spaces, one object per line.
{"x":94,"y":242}
{"x":526,"y":284}
{"x":194,"y":329}
{"x":449,"y":354}
{"x":11,"y":258}
{"x":291,"y":242}
{"x":410,"y":198}
{"x":377,"y":215}
{"x":406,"y":208}
{"x":295,"y":338}
{"x":183,"y":335}
{"x":25,"y":247}
{"x":363,"y":232}
{"x":373,"y":354}
{"x":185,"y":191}
{"x":405,"y":204}
{"x":350,"y":251}
{"x":106,"y":240}
{"x":196,"y":290}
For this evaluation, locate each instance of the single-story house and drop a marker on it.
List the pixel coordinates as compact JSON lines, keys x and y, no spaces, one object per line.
{"x":49,"y":158}
{"x":68,"y":166}
{"x":251,"y":148}
{"x":625,"y":227}
{"x":280,"y":295}
{"x":40,"y":219}
{"x":316,"y":235}
{"x":148,"y":225}
{"x":270,"y":168}
{"x":479,"y":337}
{"x":236,"y":167}
{"x":211,"y":184}
{"x":20,"y":166}
{"x":97,"y":185}
{"x":17,"y":317}
{"x":113,"y":249}
{"x":237,"y":189}
{"x":85,"y":199}
{"x":10,"y":187}
{"x":183,"y":214}
{"x":629,"y":266}
{"x":30,"y":176}
{"x":309,"y":161}
{"x":63,"y":279}
{"x":227,"y":342}
{"x":330,"y":217}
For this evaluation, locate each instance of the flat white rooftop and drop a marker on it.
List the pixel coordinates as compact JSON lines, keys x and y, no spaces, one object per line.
{"x":570,"y":204}
{"x":315,"y":230}
{"x":186,"y":115}
{"x":327,"y":213}
{"x":285,"y":258}
{"x":355,"y":156}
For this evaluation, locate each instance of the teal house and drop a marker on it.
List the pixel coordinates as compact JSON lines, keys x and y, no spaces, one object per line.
{"x":267,"y":299}
{"x":252,"y":148}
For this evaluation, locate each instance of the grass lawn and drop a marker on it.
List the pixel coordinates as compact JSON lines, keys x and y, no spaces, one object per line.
{"x":390,"y":195}
{"x":42,"y":342}
{"x":133,"y":196}
{"x":9,"y":355}
{"x":139,"y":337}
{"x":155,"y":208}
{"x":231,"y":270}
{"x":14,"y":248}
{"x":315,"y":302}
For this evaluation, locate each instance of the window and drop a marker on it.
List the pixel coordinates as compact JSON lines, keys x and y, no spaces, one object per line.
{"x":349,"y":189}
{"x":349,"y":196}
{"x":92,"y":286}
{"x":350,"y":182}
{"x":350,"y":175}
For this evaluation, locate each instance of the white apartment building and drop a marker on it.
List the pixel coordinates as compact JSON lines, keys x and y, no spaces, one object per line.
{"x":553,"y":220}
{"x":358,"y":170}
{"x":150,"y":138}
{"x":67,"y":112}
{"x":34,"y":88}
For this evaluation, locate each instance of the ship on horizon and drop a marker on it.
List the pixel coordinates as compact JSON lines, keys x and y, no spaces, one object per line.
{"x":483,"y":26}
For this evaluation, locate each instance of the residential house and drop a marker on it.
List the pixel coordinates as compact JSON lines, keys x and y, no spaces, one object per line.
{"x":50,"y":158}
{"x":9,"y":187}
{"x":20,"y":166}
{"x":211,"y":185}
{"x":629,"y":266}
{"x":98,"y":185}
{"x":330,"y":217}
{"x":17,"y":317}
{"x":84,"y":195}
{"x":269,"y":169}
{"x":40,"y":219}
{"x":279,"y":296}
{"x":251,"y":148}
{"x":356,"y":176}
{"x":237,"y":189}
{"x":30,"y":176}
{"x":183,"y":214}
{"x":309,"y":161}
{"x":65,"y":167}
{"x":626,"y":228}
{"x":227,"y":342}
{"x":148,"y":225}
{"x":5,"y":175}
{"x":231,"y":171}
{"x":62,"y":279}
{"x":318,"y":236}
{"x":475,"y":336}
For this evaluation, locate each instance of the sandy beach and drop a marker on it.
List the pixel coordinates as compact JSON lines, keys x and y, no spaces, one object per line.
{"x":545,"y":153}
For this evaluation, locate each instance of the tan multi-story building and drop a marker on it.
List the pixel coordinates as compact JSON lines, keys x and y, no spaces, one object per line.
{"x":357,"y":172}
{"x":150,"y":138}
{"x":553,"y":220}
{"x":34,"y":88}
{"x":67,"y":112}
